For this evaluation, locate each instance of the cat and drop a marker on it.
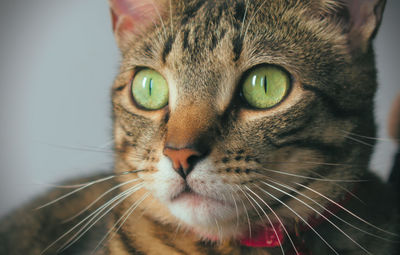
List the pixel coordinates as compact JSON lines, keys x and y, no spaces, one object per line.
{"x":240,"y":127}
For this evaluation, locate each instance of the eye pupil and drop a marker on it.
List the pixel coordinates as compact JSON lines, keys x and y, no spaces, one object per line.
{"x":150,"y":86}
{"x":265,"y":83}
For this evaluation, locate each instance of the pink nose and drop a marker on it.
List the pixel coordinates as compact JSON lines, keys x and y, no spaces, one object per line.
{"x":180,"y":159}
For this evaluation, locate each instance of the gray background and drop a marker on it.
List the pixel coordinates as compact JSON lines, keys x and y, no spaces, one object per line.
{"x":58,"y":60}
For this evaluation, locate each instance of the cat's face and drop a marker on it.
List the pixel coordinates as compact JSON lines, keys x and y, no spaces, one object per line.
{"x":213,"y":157}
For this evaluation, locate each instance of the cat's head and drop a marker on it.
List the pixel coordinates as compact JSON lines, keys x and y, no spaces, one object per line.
{"x":231,"y":108}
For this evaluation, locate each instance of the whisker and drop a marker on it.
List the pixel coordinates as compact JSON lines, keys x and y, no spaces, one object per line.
{"x":348,"y":211}
{"x":86,"y":185}
{"x":369,"y":137}
{"x":341,"y":187}
{"x":247,"y":214}
{"x":51,"y":185}
{"x":224,"y":198}
{"x":86,"y":228}
{"x":170,"y":14}
{"x":236,"y":209}
{"x":75,"y":191}
{"x":299,"y":216}
{"x":77,"y":148}
{"x":100,"y":197}
{"x":252,"y":17}
{"x":269,"y":220}
{"x":331,"y":213}
{"x":178,"y":227}
{"x":110,"y":142}
{"x":309,"y":163}
{"x":244,"y":17}
{"x":251,"y":203}
{"x":320,"y":214}
{"x":123,"y":218}
{"x":277,"y":217}
{"x":359,"y":141}
{"x":322,"y":177}
{"x":159,"y":16}
{"x":312,"y":178}
{"x":218,"y":229}
{"x":129,"y":172}
{"x":94,"y":214}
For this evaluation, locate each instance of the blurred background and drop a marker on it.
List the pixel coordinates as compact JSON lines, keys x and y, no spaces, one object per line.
{"x":57,"y":62}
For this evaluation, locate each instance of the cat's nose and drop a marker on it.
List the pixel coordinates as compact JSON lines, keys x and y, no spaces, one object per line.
{"x":182,"y":159}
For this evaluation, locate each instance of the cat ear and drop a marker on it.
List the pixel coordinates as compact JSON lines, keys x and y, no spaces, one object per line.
{"x":360,"y":19}
{"x":363,"y":18}
{"x":132,"y":17}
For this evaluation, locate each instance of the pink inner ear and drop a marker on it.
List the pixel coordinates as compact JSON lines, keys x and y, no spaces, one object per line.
{"x":365,"y":17}
{"x":360,"y":12}
{"x":124,"y":23}
{"x":134,"y":15}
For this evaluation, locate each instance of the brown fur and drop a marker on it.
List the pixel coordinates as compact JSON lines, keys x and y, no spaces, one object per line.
{"x":203,"y":49}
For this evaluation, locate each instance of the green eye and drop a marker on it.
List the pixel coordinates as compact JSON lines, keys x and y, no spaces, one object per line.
{"x":265,"y":86}
{"x":150,"y":89}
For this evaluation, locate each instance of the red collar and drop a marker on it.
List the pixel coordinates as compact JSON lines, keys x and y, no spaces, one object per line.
{"x":268,"y":236}
{"x":273,"y":236}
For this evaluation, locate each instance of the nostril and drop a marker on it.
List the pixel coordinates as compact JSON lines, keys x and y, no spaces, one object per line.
{"x":192,"y":160}
{"x":182,"y":159}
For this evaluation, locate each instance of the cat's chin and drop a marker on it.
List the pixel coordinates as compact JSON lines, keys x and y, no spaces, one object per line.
{"x":209,"y":218}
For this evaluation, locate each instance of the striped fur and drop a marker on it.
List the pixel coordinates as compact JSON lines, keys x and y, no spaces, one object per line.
{"x":256,"y":165}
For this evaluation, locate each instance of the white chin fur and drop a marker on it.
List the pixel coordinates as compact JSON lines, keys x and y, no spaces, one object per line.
{"x":207,"y":217}
{"x":203,"y":214}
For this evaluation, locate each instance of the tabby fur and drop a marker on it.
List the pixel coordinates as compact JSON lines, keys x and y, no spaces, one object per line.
{"x":312,"y":143}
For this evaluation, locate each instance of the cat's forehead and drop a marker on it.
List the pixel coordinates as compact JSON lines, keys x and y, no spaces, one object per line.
{"x":200,"y":26}
{"x":199,"y":34}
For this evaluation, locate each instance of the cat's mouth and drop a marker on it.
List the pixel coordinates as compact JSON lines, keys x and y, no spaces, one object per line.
{"x":194,"y":198}
{"x":200,"y":212}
